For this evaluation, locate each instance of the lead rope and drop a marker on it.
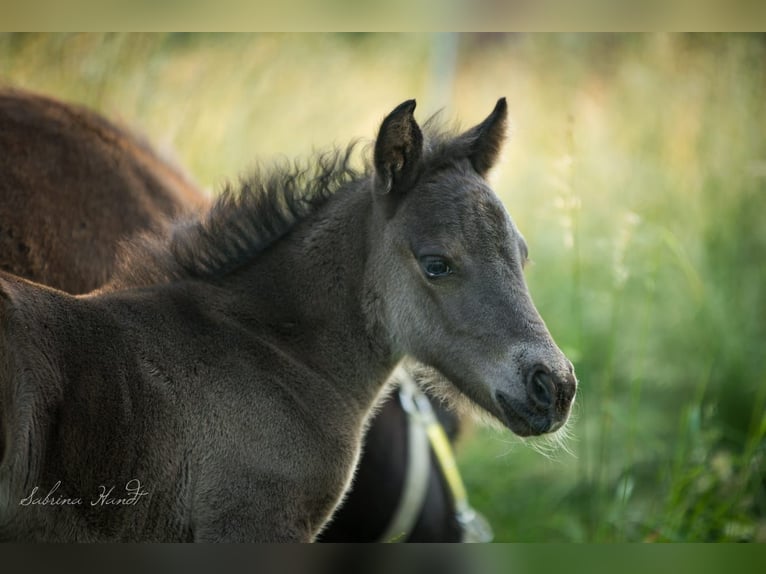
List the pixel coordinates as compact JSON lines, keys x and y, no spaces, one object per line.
{"x":422,"y":424}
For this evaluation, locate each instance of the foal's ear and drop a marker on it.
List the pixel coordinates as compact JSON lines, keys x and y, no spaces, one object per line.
{"x":398,"y":150}
{"x":485,"y":140}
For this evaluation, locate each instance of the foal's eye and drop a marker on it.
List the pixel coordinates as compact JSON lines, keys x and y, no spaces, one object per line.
{"x":435,"y":267}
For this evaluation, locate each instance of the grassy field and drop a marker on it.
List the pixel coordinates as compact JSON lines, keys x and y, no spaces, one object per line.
{"x":636,"y":169}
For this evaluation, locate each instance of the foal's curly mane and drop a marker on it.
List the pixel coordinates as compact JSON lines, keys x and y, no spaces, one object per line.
{"x":243,"y":221}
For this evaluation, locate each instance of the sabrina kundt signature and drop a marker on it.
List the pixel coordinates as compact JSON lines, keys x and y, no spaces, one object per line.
{"x":105,"y":497}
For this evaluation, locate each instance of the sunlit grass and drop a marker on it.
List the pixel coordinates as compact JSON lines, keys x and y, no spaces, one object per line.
{"x":636,"y":169}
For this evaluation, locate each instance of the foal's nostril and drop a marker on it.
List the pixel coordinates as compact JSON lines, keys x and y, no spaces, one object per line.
{"x":541,"y":388}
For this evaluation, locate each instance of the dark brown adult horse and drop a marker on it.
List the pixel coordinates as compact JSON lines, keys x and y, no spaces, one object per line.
{"x":222,"y":379}
{"x":72,"y":185}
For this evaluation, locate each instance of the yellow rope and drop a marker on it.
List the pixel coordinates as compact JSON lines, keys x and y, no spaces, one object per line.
{"x":443,"y":450}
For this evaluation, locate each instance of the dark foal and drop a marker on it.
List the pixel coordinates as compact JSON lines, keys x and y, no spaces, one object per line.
{"x":222,"y":379}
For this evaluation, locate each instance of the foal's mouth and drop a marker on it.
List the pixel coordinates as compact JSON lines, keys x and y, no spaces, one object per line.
{"x":523,"y":420}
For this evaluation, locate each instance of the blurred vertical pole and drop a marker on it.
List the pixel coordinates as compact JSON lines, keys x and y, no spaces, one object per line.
{"x":444,"y":50}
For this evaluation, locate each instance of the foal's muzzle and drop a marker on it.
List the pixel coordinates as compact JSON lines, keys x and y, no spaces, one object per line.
{"x":547,"y":403}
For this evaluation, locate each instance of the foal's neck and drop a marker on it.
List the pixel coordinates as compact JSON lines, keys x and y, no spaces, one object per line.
{"x":307,"y":294}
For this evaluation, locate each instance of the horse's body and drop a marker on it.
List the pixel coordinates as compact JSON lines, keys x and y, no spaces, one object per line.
{"x":222,"y":379}
{"x":74,"y":185}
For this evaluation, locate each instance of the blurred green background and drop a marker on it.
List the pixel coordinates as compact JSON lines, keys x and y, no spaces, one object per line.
{"x":636,"y":169}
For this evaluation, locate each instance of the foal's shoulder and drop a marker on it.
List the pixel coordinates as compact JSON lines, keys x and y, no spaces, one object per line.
{"x":40,"y":321}
{"x":20,"y":297}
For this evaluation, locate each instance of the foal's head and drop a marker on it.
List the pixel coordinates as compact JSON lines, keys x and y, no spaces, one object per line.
{"x":448,"y":262}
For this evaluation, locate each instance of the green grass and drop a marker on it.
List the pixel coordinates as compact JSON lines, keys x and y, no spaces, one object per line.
{"x":637,"y":172}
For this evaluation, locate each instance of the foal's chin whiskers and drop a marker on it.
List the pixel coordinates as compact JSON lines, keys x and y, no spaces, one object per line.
{"x":511,"y":445}
{"x":553,"y":444}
